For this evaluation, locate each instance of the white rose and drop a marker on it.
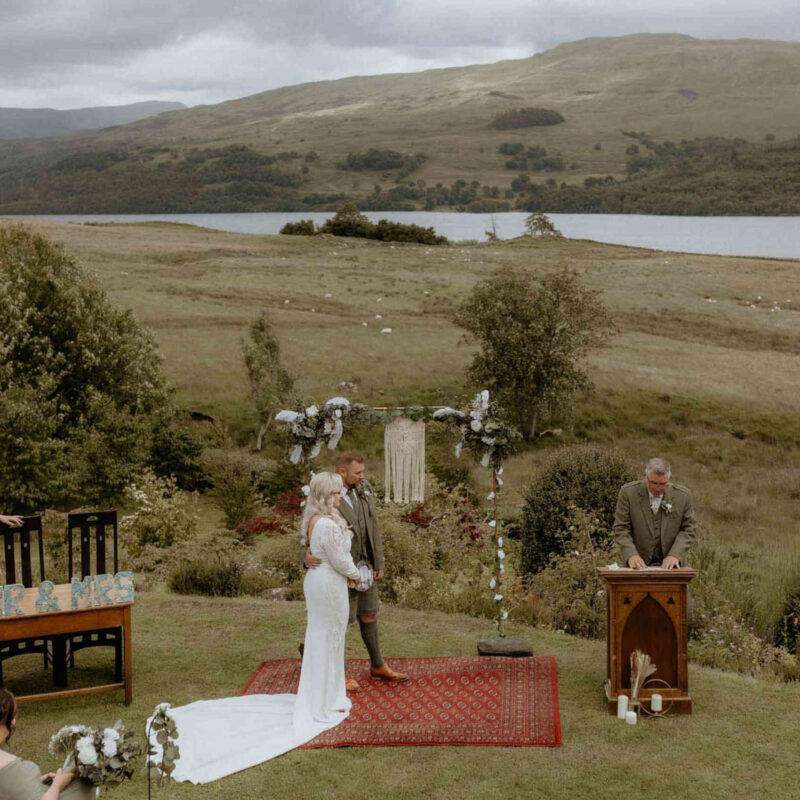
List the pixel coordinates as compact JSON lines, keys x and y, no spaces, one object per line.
{"x":84,"y":741}
{"x":498,"y":598}
{"x":501,"y":555}
{"x":499,"y":541}
{"x":475,"y":425}
{"x":87,"y":755}
{"x":312,"y":411}
{"x":492,"y":583}
{"x":109,"y":748}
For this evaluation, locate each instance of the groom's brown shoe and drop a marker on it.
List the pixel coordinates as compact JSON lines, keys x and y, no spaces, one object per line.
{"x":386,"y":673}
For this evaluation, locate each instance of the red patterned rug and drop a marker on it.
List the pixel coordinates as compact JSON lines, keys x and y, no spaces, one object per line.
{"x":476,"y":700}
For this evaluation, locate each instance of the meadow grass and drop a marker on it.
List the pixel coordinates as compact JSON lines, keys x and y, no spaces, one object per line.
{"x":739,"y":743}
{"x":709,"y":385}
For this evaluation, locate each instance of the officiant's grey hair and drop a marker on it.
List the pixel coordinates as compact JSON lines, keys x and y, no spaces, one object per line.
{"x":658,"y":466}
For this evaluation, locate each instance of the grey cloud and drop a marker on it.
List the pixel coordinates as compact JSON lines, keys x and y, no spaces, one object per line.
{"x":131,"y":51}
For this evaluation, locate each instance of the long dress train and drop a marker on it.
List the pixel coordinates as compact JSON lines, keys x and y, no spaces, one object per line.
{"x":220,"y":737}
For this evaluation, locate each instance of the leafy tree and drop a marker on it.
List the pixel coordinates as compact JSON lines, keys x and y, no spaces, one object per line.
{"x":270,"y":384}
{"x":532,"y":340}
{"x":537,"y":224}
{"x":348,"y":221}
{"x":81,"y":385}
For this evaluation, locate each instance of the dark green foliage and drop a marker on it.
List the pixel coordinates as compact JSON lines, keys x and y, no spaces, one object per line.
{"x":713,"y":176}
{"x":787,"y":634}
{"x":511,"y":148}
{"x":81,"y":386}
{"x":284,"y":476}
{"x":211,"y":575}
{"x":535,"y":159}
{"x":382,"y":160}
{"x":533,"y":338}
{"x":349,"y":221}
{"x":583,"y":477}
{"x":234,"y":178}
{"x":526,"y":118}
{"x":177,"y":452}
{"x":271,"y":385}
{"x":235,"y":493}
{"x":303,"y":227}
{"x":97,"y":160}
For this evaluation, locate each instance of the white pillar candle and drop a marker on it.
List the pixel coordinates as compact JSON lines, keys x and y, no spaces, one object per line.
{"x":622,"y":706}
{"x":630,"y":717}
{"x":655,"y":703}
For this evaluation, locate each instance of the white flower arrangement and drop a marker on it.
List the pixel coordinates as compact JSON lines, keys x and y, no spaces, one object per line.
{"x":103,"y":757}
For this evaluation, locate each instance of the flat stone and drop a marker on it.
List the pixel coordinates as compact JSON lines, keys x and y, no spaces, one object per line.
{"x":518,"y":648}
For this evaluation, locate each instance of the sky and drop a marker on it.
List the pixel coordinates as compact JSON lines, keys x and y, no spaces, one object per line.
{"x":77,"y":53}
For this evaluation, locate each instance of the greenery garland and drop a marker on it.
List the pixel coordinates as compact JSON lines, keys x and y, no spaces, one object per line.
{"x":490,"y":439}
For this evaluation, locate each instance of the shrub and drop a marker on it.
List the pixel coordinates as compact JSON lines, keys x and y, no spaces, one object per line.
{"x":176,"y":453}
{"x":234,"y":476}
{"x":212,"y":575}
{"x":382,"y":160}
{"x":303,"y":227}
{"x":571,"y":594}
{"x":164,"y":516}
{"x":387,"y":231}
{"x":583,"y":477}
{"x":349,"y":221}
{"x":526,"y":118}
{"x":282,"y":477}
{"x":787,"y":634}
{"x":511,"y":148}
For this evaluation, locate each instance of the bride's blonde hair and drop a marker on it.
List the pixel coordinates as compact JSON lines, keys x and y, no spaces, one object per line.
{"x":320,"y":502}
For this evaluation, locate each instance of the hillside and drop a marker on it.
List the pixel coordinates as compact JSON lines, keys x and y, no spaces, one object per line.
{"x":281,"y":149}
{"x":36,"y":123}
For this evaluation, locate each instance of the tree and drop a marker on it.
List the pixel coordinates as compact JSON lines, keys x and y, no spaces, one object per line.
{"x":532,"y":340}
{"x":270,"y":384}
{"x":537,"y":224}
{"x":81,"y":385}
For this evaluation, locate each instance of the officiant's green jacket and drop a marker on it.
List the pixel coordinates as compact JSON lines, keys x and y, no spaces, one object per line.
{"x":637,"y":530}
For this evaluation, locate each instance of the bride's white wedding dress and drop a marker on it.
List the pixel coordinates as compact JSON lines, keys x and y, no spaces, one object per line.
{"x":220,"y":737}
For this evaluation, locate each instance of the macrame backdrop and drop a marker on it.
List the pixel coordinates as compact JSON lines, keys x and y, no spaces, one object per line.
{"x":404,"y":448}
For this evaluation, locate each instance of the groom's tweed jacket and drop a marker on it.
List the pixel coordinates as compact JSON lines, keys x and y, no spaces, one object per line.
{"x":364,"y":522}
{"x":636,"y":528}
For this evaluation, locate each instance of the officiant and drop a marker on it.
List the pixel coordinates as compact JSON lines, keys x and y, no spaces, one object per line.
{"x":654,"y":520}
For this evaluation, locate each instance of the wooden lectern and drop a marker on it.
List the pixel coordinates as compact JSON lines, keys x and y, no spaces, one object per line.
{"x":647,"y":611}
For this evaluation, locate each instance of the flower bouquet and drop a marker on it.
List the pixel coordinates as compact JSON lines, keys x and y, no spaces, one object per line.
{"x":103,"y":757}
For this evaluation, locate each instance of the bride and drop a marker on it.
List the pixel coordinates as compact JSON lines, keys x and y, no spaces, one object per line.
{"x":220,"y":737}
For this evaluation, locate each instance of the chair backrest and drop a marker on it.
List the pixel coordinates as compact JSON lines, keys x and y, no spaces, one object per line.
{"x":91,"y":526}
{"x":32,"y":524}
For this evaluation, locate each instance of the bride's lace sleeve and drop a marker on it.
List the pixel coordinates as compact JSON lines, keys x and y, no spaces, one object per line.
{"x":336,"y":545}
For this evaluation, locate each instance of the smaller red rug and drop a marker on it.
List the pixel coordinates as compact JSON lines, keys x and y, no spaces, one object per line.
{"x":476,"y":700}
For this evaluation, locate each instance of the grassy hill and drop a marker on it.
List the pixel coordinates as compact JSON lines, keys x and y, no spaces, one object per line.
{"x":281,"y":149}
{"x":28,"y":123}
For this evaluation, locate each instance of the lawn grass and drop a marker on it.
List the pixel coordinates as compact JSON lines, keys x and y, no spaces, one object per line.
{"x":739,"y":743}
{"x":712,"y":386}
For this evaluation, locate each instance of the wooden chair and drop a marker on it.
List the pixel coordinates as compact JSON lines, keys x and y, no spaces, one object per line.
{"x":94,"y":529}
{"x":19,"y":538}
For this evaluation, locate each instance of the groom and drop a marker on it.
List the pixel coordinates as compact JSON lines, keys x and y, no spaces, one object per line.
{"x":358,"y":508}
